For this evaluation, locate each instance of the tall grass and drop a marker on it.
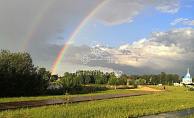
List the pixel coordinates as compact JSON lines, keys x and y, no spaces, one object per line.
{"x":134,"y":106}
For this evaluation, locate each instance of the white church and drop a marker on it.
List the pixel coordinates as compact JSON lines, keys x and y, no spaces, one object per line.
{"x":187,"y":78}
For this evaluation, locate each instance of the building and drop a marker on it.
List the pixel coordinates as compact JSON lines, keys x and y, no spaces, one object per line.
{"x":187,"y":78}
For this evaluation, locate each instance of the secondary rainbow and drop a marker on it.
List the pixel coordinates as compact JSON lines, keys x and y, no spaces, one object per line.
{"x":74,"y":34}
{"x":35,"y":24}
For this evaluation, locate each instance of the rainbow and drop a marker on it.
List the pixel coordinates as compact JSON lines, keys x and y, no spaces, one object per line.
{"x":74,"y":34}
{"x":35,"y":24}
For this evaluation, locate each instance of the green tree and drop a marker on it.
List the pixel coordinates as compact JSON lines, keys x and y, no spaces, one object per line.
{"x":141,"y":81}
{"x":123,"y":76}
{"x":176,"y":78}
{"x":44,"y":74}
{"x":134,"y":77}
{"x":87,"y":79}
{"x":131,"y":82}
{"x":163,"y":78}
{"x":70,"y":83}
{"x":112,"y":80}
{"x":18,"y":76}
{"x":53,"y":78}
{"x":146,"y":77}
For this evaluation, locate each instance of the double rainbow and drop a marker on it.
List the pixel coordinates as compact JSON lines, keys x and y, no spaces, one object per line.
{"x":74,"y":34}
{"x":35,"y":24}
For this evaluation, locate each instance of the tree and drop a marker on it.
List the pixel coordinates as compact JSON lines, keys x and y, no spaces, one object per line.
{"x":80,"y":79}
{"x":18,"y":76}
{"x":163,"y":78}
{"x":146,"y":77}
{"x":44,"y":74}
{"x":53,"y":78}
{"x":141,"y":81}
{"x":134,"y":77}
{"x":87,"y":79}
{"x":70,"y":83}
{"x":123,"y":76}
{"x":176,"y":78}
{"x":131,"y":82}
{"x":112,"y":81}
{"x":169,"y":79}
{"x":121,"y":81}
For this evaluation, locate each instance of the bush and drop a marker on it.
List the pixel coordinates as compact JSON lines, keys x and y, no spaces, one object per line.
{"x":55,"y":91}
{"x":191,"y":89}
{"x":135,"y":85}
{"x":76,"y":90}
{"x":91,"y":89}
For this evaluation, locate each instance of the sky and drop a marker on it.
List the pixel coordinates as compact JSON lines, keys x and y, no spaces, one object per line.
{"x":136,"y":36}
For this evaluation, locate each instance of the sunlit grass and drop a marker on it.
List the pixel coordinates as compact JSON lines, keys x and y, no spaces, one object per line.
{"x":134,"y":106}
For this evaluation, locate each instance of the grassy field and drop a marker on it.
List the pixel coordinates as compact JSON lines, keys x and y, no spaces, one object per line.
{"x":106,"y":92}
{"x":191,"y":116}
{"x":134,"y":106}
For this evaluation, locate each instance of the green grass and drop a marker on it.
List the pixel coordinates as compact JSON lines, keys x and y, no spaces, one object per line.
{"x":14,"y":99}
{"x":134,"y":106}
{"x":191,"y":116}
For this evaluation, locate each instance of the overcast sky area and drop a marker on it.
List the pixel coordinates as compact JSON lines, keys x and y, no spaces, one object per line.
{"x":137,"y":36}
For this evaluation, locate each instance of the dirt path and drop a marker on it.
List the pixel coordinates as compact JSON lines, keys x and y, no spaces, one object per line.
{"x":145,"y":88}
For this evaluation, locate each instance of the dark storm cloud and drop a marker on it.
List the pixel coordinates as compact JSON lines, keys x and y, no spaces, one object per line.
{"x":38,"y":21}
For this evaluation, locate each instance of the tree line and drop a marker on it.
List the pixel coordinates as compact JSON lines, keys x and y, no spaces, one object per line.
{"x":162,"y":78}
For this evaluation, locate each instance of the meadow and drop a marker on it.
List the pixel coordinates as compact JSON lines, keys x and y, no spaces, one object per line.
{"x":179,"y":98}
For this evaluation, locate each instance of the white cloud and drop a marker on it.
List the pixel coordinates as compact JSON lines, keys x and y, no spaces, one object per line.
{"x":122,"y":11}
{"x":163,"y":50}
{"x":189,"y":22}
{"x":167,"y":9}
{"x":178,"y":20}
{"x":192,"y":22}
{"x":169,"y":50}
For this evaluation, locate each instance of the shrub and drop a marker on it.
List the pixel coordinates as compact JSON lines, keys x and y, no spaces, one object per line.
{"x":135,"y":85}
{"x":55,"y":91}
